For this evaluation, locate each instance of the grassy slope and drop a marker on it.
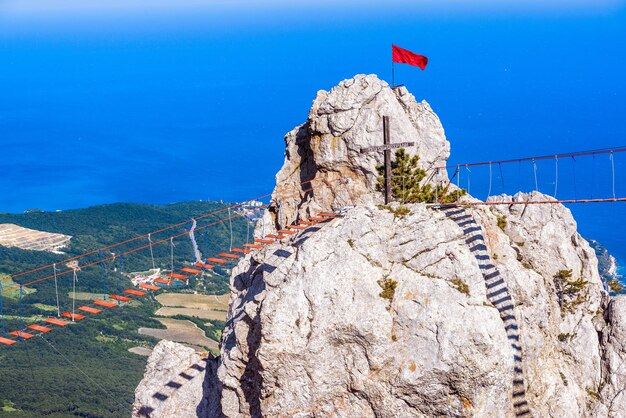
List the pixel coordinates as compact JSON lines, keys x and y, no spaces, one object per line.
{"x":40,"y":381}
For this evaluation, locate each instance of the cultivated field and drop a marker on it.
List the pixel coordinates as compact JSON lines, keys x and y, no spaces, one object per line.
{"x":180,"y":331}
{"x":142,"y":351}
{"x":210,"y":307}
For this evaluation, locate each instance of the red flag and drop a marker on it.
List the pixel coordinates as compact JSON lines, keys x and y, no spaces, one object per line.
{"x":404,"y":56}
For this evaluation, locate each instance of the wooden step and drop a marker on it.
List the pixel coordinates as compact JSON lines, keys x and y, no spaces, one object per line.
{"x":104,"y":303}
{"x":297,"y":227}
{"x":216,"y":260}
{"x":239,"y":250}
{"x":327,"y":214}
{"x":134,"y":292}
{"x":148,"y":286}
{"x":286,"y":231}
{"x":89,"y":309}
{"x":275,"y":236}
{"x":228,"y":255}
{"x":24,"y":335}
{"x":75,"y":316}
{"x":39,"y":328}
{"x":255,"y":246}
{"x":7,"y":341}
{"x":163,"y":281}
{"x":120,"y":298}
{"x":55,"y":321}
{"x":203,"y":265}
{"x":177,"y":276}
{"x":264,"y":241}
{"x":190,"y":270}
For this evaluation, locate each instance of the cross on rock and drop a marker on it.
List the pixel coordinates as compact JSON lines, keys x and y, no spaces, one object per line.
{"x":387,"y":147}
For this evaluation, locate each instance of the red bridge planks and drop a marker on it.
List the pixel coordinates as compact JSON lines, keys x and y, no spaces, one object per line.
{"x":104,"y":303}
{"x":120,"y":298}
{"x":89,"y":309}
{"x":239,"y":250}
{"x":306,"y":223}
{"x":39,"y":328}
{"x":275,"y":236}
{"x":134,"y":292}
{"x":317,"y":219}
{"x":7,"y":341}
{"x":58,"y":322}
{"x":75,"y":316}
{"x":228,"y":255}
{"x":190,"y":270}
{"x":149,"y":286}
{"x":203,"y":265}
{"x":327,"y":214}
{"x":163,"y":281}
{"x":286,"y":231}
{"x":264,"y":241}
{"x":255,"y":246}
{"x":298,"y":227}
{"x":177,"y":276}
{"x":24,"y":335}
{"x":216,"y":260}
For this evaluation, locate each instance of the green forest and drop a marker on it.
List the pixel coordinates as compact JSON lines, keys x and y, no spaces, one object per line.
{"x":85,"y":369}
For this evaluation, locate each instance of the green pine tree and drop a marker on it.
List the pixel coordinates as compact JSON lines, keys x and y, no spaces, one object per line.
{"x":406,"y":179}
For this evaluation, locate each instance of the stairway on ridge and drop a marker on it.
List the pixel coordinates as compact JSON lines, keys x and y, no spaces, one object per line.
{"x":498,"y":294}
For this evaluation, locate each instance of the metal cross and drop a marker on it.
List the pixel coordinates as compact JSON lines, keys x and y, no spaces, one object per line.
{"x":387,"y":147}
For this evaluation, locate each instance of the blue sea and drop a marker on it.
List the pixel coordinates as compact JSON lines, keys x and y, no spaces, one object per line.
{"x":194,"y":106}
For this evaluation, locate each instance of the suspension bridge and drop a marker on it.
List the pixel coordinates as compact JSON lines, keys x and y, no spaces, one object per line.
{"x":105,"y":258}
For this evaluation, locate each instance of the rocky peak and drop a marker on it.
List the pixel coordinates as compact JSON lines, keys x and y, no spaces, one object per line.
{"x":429,"y":311}
{"x":326,"y":149}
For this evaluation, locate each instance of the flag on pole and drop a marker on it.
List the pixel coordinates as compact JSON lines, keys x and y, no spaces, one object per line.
{"x":404,"y":56}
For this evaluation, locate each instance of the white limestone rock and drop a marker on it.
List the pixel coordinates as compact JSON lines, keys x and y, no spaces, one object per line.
{"x":175,"y":383}
{"x":327,"y":147}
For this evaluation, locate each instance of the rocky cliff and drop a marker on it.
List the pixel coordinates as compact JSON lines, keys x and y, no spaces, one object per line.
{"x":459,"y":311}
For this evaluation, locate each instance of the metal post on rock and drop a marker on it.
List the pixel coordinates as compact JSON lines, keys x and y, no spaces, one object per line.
{"x":387,"y":147}
{"x":387,"y":142}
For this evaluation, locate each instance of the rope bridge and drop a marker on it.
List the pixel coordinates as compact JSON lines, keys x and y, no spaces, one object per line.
{"x":526,"y":174}
{"x":121,"y":296}
{"x":110,"y":261}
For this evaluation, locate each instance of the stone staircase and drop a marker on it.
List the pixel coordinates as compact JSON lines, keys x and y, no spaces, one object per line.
{"x":498,"y":294}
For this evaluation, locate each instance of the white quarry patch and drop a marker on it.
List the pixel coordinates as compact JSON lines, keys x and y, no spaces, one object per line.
{"x":30,"y":239}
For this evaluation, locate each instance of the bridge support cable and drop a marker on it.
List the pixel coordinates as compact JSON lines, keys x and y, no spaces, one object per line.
{"x":104,"y":275}
{"x":230,"y":224}
{"x":120,"y":277}
{"x":612,"y":174}
{"x":74,"y":280}
{"x":113,"y":255}
{"x":151,"y":251}
{"x":490,"y":180}
{"x":501,"y":177}
{"x":1,"y":309}
{"x":535,"y":174}
{"x":21,"y":318}
{"x":574,"y":177}
{"x":556,"y":174}
{"x":468,"y":179}
{"x":172,"y":254}
{"x":94,"y":382}
{"x":56,"y":289}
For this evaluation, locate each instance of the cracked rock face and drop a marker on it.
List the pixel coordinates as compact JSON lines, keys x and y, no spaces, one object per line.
{"x":327,"y":147}
{"x":175,"y":383}
{"x":373,"y":315}
{"x":311,"y":335}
